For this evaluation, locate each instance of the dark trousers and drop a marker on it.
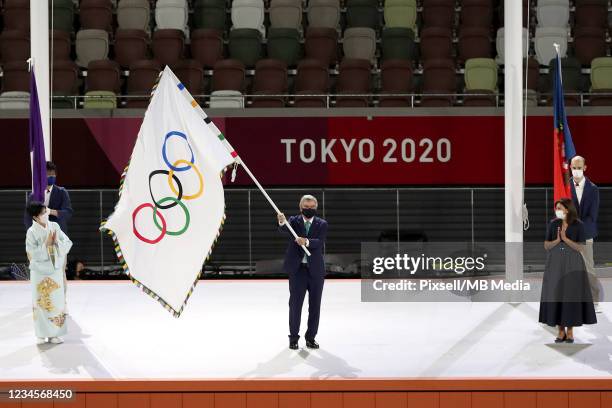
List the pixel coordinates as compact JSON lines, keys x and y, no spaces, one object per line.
{"x":300,"y":283}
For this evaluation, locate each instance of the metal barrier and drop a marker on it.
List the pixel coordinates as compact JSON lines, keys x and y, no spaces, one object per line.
{"x":250,"y":239}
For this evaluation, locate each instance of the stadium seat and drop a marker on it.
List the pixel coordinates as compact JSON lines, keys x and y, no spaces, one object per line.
{"x":228,"y":75}
{"x":61,"y":45}
{"x":499,"y":44}
{"x":91,"y":45}
{"x":589,"y":43}
{"x":571,"y":79}
{"x":436,"y":43}
{"x":63,"y":15}
{"x":553,"y":13}
{"x":65,"y":83}
{"x":439,"y":83}
{"x":353,"y":78}
{"x":191,"y":74}
{"x":601,"y":81}
{"x":438,"y":13}
{"x":322,"y":44}
{"x":398,"y":43}
{"x":100,"y":100}
{"x":286,"y":14}
{"x":591,"y":13}
{"x":396,"y":78}
{"x":96,"y":15}
{"x":324,"y":13}
{"x":363,"y":13}
{"x":172,"y":14}
{"x":15,"y":77}
{"x":103,"y":75}
{"x":312,"y":78}
{"x":143,"y":75}
{"x":477,"y":13}
{"x":360,"y":43}
{"x":226,"y":99}
{"x":14,"y":45}
{"x":270,"y":79}
{"x":480,"y":78}
{"x":131,"y":45}
{"x":168,"y":45}
{"x":545,"y":37}
{"x":474,"y":42}
{"x":14,"y":100}
{"x":245,"y":44}
{"x":210,"y":14}
{"x":284,"y":44}
{"x":134,"y":15}
{"x":248,"y":14}
{"x":17,"y":15}
{"x":400,"y":13}
{"x":207,"y":46}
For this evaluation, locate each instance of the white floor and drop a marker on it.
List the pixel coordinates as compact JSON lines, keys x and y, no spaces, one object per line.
{"x":238,"y":329}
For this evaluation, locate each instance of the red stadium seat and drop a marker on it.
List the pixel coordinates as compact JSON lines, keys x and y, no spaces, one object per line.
{"x":436,"y":43}
{"x":15,"y":45}
{"x":228,"y":75}
{"x":396,"y":77}
{"x":438,"y":13}
{"x":354,"y":78}
{"x":207,"y":46}
{"x":96,"y":15}
{"x":476,"y":13}
{"x":103,"y":75}
{"x":322,"y":44}
{"x":16,"y":77}
{"x":17,"y":15}
{"x":168,"y":46}
{"x":143,"y":75}
{"x":438,"y":78}
{"x":474,"y":42}
{"x":312,"y":78}
{"x":589,"y":43}
{"x":270,"y":79}
{"x":131,"y":46}
{"x":62,"y":45}
{"x":191,"y":74}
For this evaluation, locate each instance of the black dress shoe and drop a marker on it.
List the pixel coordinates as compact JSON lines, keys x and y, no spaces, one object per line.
{"x":568,"y":340}
{"x":293,"y":345}
{"x":311,"y":344}
{"x":561,"y":339}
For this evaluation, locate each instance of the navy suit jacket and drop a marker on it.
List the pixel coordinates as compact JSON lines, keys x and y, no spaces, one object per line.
{"x":588,"y":208}
{"x":60,"y":201}
{"x":316,"y":238}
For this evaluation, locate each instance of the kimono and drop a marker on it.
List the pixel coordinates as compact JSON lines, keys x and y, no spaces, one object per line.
{"x":47,"y":278}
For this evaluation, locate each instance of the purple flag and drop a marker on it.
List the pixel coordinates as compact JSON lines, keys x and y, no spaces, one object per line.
{"x":37,"y":145}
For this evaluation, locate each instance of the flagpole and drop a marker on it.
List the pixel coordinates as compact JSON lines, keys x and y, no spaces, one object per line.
{"x":241,"y":162}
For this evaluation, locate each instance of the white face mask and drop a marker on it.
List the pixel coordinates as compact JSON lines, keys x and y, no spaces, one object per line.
{"x":560,"y":214}
{"x":44,"y":217}
{"x":577,"y":174}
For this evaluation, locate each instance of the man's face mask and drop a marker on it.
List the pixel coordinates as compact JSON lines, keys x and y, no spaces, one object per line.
{"x":309,"y":212}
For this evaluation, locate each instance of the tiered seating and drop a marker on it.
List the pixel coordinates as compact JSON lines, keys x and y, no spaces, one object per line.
{"x":440,"y":50}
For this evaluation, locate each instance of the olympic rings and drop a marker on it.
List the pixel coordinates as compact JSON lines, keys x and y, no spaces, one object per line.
{"x":195,"y":168}
{"x":170,"y":202}
{"x":138,"y":235}
{"x":179,"y":193}
{"x":185,"y":210}
{"x":184,"y":136}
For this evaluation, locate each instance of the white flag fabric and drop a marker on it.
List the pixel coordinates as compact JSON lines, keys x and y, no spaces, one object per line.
{"x":171,"y":206}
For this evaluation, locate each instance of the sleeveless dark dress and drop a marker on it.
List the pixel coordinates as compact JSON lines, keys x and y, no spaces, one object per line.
{"x":566,"y":298}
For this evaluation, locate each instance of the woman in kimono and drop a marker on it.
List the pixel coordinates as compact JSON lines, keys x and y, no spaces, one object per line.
{"x":47,"y":247}
{"x":566,"y":294}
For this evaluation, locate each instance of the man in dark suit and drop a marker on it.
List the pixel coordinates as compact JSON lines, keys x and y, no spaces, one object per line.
{"x":585,"y":196}
{"x":56,"y":199}
{"x":306,"y":273}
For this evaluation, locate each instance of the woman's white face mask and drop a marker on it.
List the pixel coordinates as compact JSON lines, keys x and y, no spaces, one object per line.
{"x":560,"y":214}
{"x":44,"y":217}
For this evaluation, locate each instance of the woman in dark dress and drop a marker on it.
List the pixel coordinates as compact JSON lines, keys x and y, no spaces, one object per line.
{"x":566,"y":299}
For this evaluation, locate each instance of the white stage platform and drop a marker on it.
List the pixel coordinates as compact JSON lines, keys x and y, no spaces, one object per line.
{"x":238,"y":329}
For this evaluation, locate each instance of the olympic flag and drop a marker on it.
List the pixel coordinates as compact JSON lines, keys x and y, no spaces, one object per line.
{"x":171,"y":204}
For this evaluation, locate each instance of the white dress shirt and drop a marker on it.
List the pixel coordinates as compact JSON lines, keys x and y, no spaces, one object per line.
{"x":579,"y":188}
{"x":48,"y":195}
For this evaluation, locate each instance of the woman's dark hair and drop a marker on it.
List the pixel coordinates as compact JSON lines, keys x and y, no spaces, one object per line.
{"x":51,"y":166}
{"x":35,"y":208}
{"x":572,"y":214}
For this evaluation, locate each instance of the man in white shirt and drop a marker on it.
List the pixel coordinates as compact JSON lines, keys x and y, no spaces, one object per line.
{"x":585,"y":196}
